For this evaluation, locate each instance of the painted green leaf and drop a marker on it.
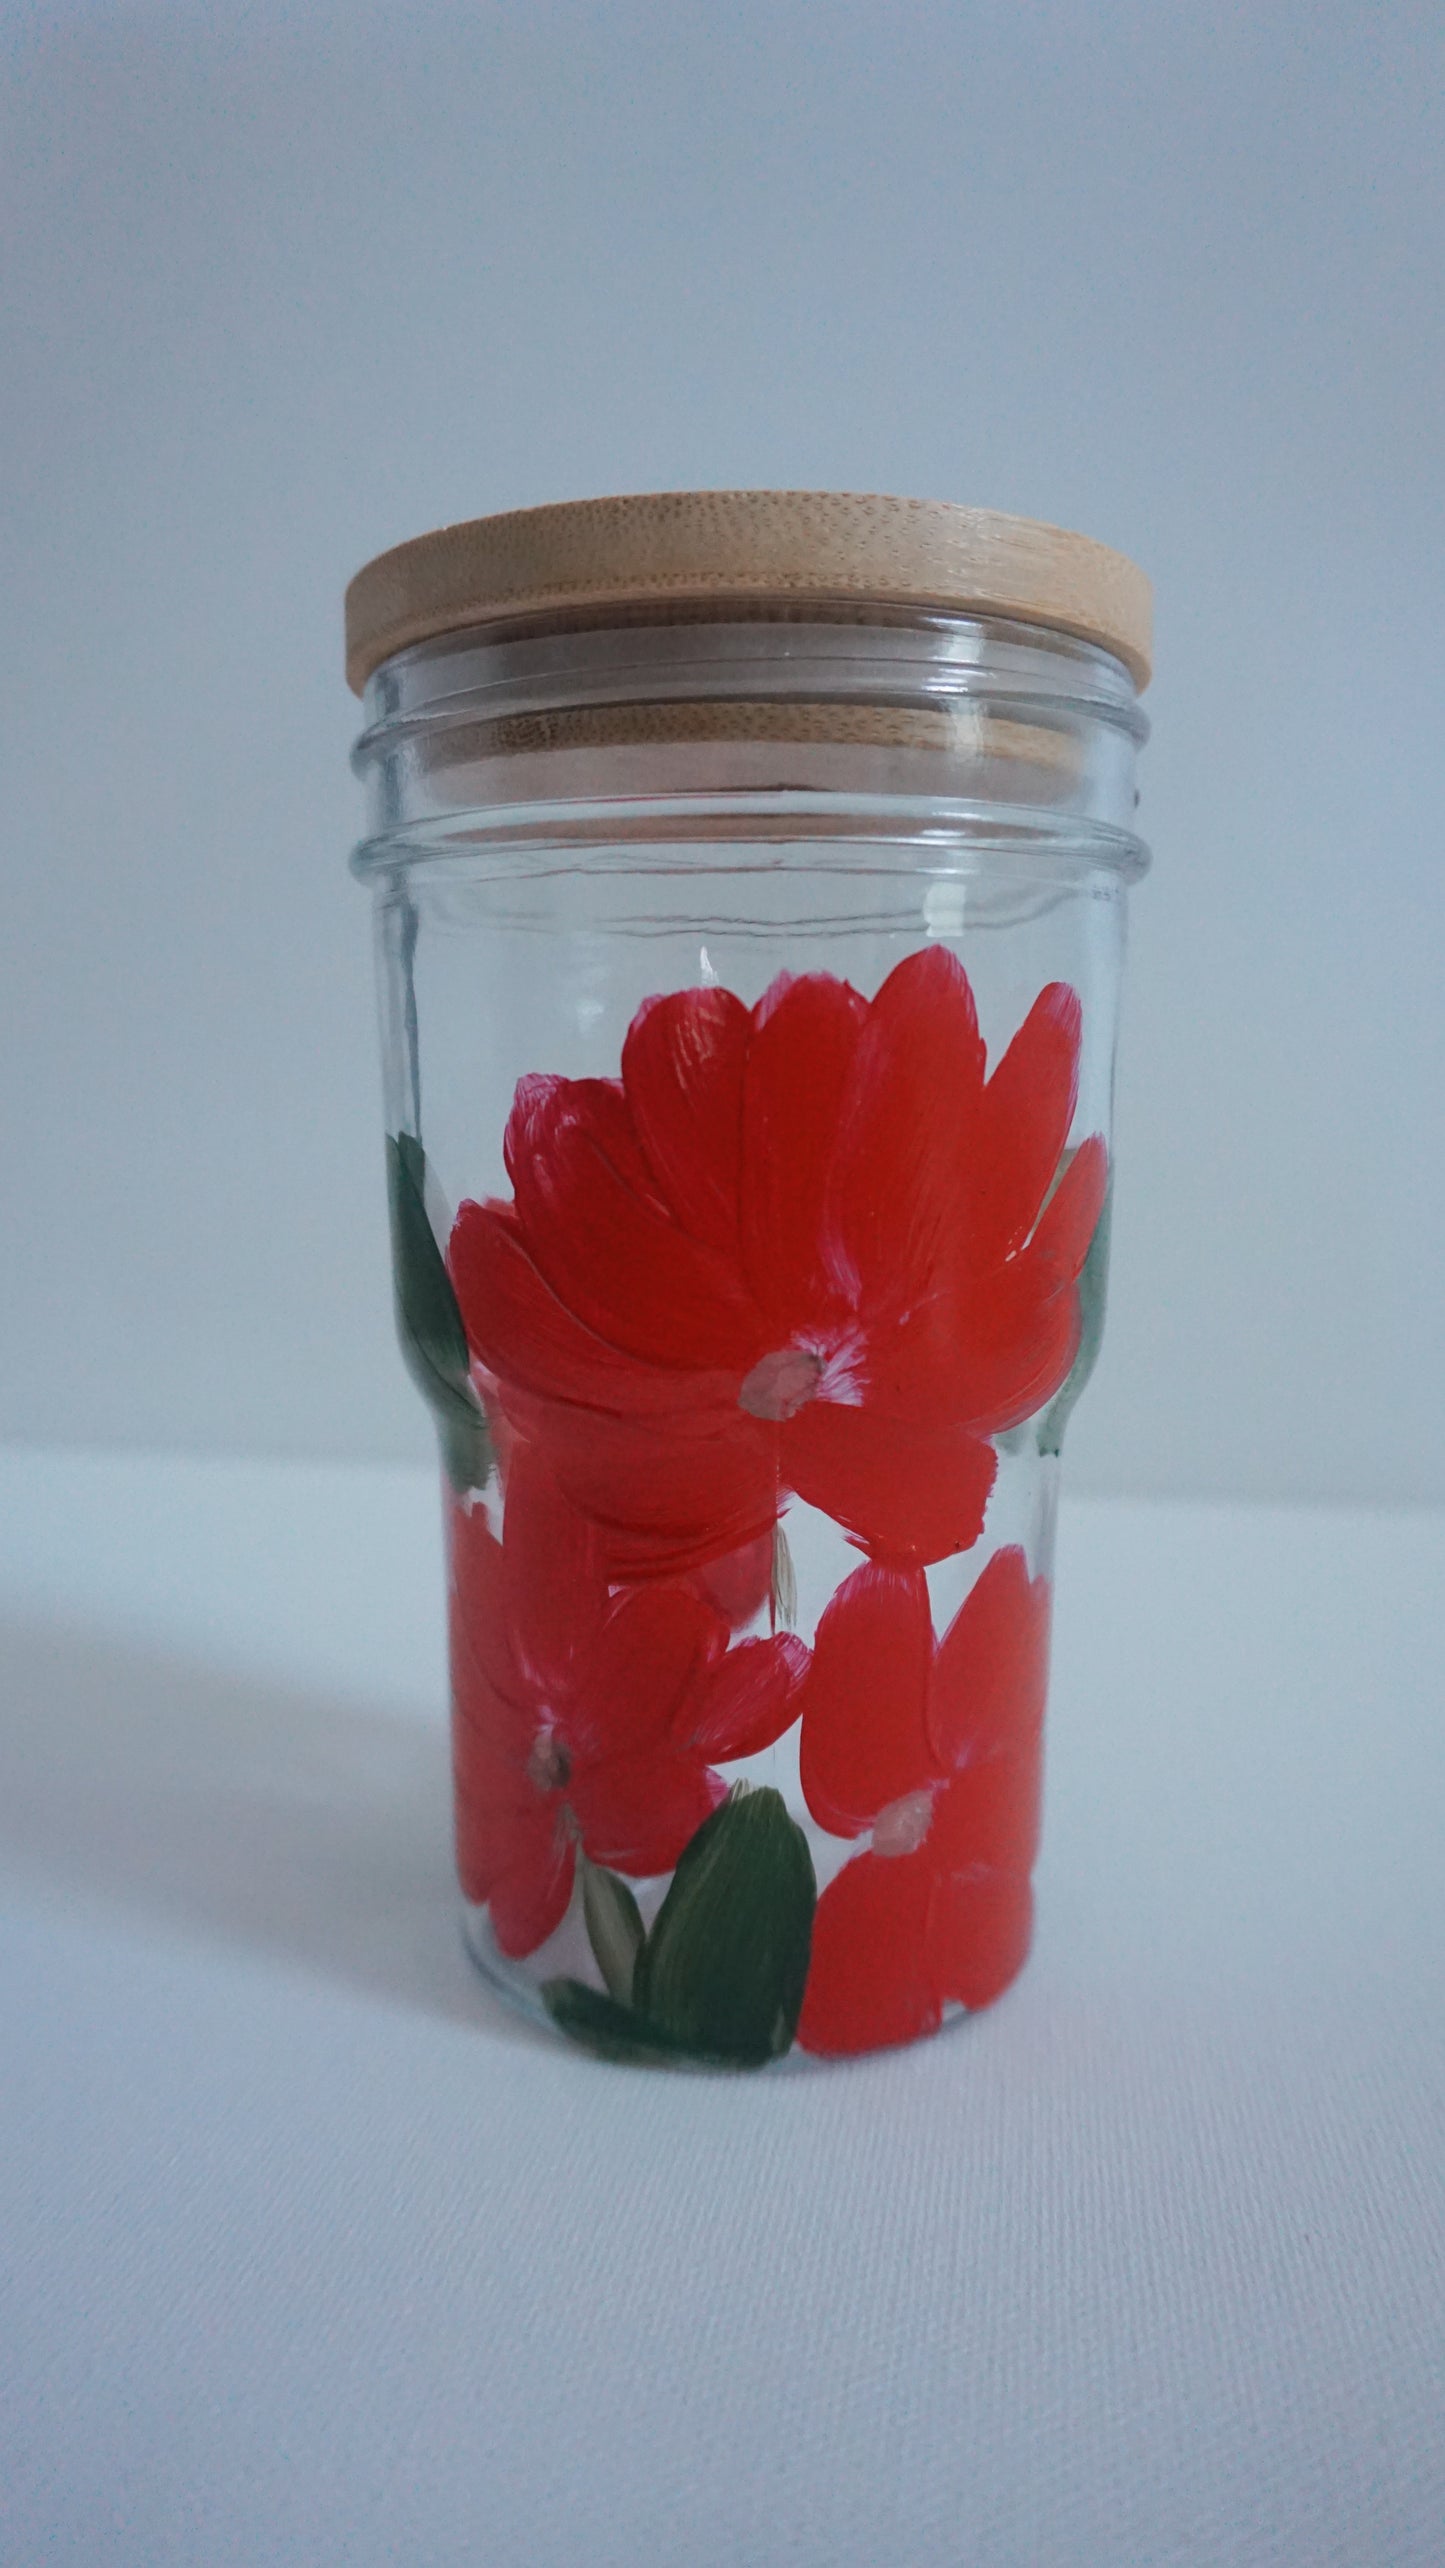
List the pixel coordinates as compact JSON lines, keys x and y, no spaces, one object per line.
{"x":614,"y":1926}
{"x":719,"y":1980}
{"x":785,"y":1583}
{"x":1093,"y":1285}
{"x":423,"y":1286}
{"x":722,"y":1971}
{"x":428,"y":1322}
{"x":603,"y":2025}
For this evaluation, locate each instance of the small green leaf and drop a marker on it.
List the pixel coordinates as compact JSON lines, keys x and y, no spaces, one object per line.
{"x":785,"y":1583}
{"x":428,"y":1322}
{"x":720,"y":1979}
{"x":424,"y":1293}
{"x":1093,"y":1285}
{"x":602,"y":2025}
{"x":723,"y":1969}
{"x":614,"y":1927}
{"x":466,"y":1447}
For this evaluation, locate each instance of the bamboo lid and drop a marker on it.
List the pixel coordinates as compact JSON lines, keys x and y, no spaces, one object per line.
{"x":704,"y":548}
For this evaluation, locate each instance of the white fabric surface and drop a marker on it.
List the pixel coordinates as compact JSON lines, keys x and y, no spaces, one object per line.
{"x":309,"y":2254}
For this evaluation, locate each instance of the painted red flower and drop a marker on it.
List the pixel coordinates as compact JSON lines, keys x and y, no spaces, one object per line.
{"x":582,"y":1717}
{"x":808,"y":1246}
{"x":936,"y":1750}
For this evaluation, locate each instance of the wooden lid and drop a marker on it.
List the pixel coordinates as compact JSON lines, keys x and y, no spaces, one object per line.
{"x":703,"y":548}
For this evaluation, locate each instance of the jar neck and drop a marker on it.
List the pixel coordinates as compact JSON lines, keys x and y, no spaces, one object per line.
{"x":765,"y":721}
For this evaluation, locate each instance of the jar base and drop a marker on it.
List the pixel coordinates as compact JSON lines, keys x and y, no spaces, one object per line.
{"x":509,"y":1981}
{"x":522,"y":1995}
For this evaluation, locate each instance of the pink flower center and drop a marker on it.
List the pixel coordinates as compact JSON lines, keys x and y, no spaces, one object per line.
{"x":902,"y":1827}
{"x":781,"y":1384}
{"x":549,"y":1766}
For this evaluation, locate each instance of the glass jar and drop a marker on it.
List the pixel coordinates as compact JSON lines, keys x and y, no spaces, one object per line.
{"x":749,"y":877}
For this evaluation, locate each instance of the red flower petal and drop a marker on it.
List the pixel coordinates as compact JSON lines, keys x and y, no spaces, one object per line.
{"x":987,"y":1817}
{"x":741,"y":1582}
{"x":508,"y":1831}
{"x":611,"y":1255}
{"x":991,"y":1672}
{"x":1015,"y":1332}
{"x":978,"y":1936}
{"x":596,"y":1106}
{"x":524,"y":1336}
{"x":933,"y":1364}
{"x":1028,"y":1106}
{"x":495,"y":1805}
{"x":1070,"y":1218}
{"x":869,"y":1980}
{"x":667,"y":1496}
{"x":497,"y":1808}
{"x":747,"y":1699}
{"x":491,"y":1738}
{"x":556,"y":1591}
{"x":655,"y":1644}
{"x":907,"y":1129}
{"x":905,"y":1491}
{"x":797,"y":1076}
{"x":682,"y":1071}
{"x":864,"y":1741}
{"x":482,"y":1652}
{"x":529,"y":1903}
{"x":636,"y":1813}
{"x":1013,"y":1336}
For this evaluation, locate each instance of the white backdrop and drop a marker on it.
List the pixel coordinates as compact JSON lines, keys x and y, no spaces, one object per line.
{"x":284,"y":285}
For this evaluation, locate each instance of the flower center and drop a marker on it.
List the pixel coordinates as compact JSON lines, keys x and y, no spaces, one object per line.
{"x":549,"y":1766}
{"x":782,"y":1383}
{"x":902,"y":1827}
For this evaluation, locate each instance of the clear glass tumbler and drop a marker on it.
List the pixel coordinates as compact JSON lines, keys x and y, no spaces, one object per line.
{"x":749,"y":877}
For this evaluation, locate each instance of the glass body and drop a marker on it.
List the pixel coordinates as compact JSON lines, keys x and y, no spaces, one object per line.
{"x":748,"y":995}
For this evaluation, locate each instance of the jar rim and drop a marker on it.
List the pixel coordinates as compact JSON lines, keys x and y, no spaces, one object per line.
{"x":703,"y":554}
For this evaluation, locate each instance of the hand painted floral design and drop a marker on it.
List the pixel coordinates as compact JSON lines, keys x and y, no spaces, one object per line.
{"x":935,"y":1749}
{"x":806,"y":1247}
{"x":582,"y":1717}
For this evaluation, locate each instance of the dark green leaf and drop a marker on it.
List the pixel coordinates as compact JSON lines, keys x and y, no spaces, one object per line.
{"x":722,"y":1971}
{"x":614,"y":1926}
{"x":613,"y":2031}
{"x":426,"y":1304}
{"x":428,"y":1322}
{"x":1093,"y":1285}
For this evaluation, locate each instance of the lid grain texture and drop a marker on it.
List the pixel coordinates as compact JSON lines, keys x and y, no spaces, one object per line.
{"x":706,"y":548}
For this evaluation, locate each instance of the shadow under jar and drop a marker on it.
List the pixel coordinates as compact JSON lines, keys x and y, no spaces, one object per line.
{"x":749,"y":875}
